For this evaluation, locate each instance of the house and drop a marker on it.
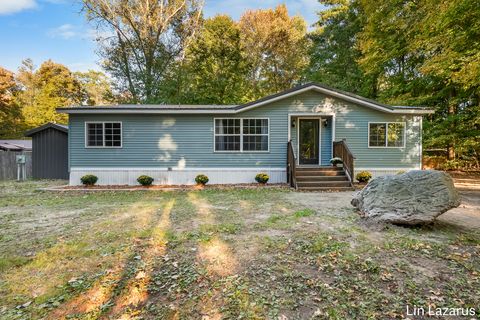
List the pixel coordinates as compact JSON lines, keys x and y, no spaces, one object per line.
{"x":305,"y":126}
{"x":50,"y":151}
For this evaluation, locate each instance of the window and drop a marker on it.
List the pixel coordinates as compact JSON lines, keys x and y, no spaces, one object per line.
{"x":227,"y":134}
{"x":103,"y":134}
{"x":386,"y":135}
{"x":241,"y":135}
{"x":255,"y":134}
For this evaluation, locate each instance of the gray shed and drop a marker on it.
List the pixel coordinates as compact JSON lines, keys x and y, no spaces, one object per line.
{"x":49,"y":151}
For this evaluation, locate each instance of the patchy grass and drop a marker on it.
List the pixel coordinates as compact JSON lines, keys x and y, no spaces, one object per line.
{"x":304,"y":213}
{"x":251,"y":254}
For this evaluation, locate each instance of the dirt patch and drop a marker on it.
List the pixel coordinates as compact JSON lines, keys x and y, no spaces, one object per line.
{"x":260,"y":253}
{"x":324,"y":202}
{"x":466,"y":180}
{"x":467,"y":215}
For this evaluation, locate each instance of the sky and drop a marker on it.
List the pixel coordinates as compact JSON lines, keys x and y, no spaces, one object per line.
{"x":57,"y":29}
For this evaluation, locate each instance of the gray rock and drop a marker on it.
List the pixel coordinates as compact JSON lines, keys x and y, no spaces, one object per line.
{"x":412,"y":198}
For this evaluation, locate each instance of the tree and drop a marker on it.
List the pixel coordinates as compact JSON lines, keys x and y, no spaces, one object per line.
{"x":276,"y":49}
{"x":214,"y":70}
{"x":428,"y":52}
{"x":148,"y":36}
{"x":334,"y":51}
{"x":449,"y":37}
{"x":44,"y":90}
{"x":10,"y":113}
{"x":97,"y":87}
{"x":410,"y":52}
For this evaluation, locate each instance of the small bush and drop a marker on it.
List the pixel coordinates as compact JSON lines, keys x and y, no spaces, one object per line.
{"x":145,"y":180}
{"x":401,"y":172}
{"x":262,"y":178}
{"x":201,"y":179}
{"x":89,"y":179}
{"x":336,"y":161}
{"x":363,"y":176}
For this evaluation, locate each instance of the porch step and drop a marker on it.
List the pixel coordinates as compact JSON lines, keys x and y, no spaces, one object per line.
{"x":322,"y":179}
{"x":325,"y":189}
{"x":317,"y":168}
{"x":337,"y":177}
{"x":320,"y":173}
{"x":323,"y":184}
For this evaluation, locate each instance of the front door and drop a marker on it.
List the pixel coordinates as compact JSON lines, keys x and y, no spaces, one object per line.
{"x":308,"y":141}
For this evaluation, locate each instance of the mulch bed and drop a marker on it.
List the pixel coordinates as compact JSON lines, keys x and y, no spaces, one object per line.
{"x":167,"y":187}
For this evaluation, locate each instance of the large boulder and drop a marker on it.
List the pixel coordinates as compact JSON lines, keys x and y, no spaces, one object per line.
{"x":413,"y":198}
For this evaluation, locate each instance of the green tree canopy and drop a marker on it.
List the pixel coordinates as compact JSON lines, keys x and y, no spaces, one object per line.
{"x":10,"y":113}
{"x":45,"y":89}
{"x":214,"y":70}
{"x":334,"y":53}
{"x":276,"y":49}
{"x":409,"y":53}
{"x":97,"y":87}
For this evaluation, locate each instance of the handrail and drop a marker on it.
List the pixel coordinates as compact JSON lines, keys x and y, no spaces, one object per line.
{"x":342,"y":151}
{"x":291,"y":165}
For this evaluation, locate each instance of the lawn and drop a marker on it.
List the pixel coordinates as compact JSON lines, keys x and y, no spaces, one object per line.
{"x":251,"y":254}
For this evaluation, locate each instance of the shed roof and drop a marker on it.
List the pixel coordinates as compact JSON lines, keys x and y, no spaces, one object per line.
{"x":232,"y":109}
{"x":56,"y":126}
{"x":16,"y":145}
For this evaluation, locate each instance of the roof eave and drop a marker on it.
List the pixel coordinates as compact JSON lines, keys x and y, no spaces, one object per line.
{"x":58,"y":127}
{"x":141,"y":111}
{"x":413,"y":111}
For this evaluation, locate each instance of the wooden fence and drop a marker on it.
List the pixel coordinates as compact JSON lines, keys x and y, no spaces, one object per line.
{"x":8,"y":164}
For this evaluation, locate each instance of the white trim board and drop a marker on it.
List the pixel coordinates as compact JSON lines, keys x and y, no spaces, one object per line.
{"x":175,"y":169}
{"x":163,"y":176}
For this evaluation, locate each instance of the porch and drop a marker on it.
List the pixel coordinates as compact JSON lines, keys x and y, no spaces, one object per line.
{"x":310,"y":148}
{"x":312,"y":138}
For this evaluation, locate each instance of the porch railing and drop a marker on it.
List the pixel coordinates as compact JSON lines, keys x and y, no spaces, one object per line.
{"x":342,"y":151}
{"x":291,"y":165}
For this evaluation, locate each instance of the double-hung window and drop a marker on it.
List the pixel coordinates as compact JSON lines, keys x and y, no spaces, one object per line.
{"x":386,"y":135}
{"x":241,"y":135}
{"x":103,"y":134}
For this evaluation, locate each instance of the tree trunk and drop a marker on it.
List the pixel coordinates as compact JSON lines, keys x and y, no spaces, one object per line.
{"x":451,"y":112}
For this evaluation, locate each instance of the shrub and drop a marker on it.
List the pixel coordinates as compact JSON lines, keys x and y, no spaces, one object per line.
{"x":145,"y":180}
{"x":89,"y":179}
{"x":336,"y":161}
{"x":201,"y":179}
{"x":363,"y":176}
{"x":262,"y":178}
{"x":401,"y":172}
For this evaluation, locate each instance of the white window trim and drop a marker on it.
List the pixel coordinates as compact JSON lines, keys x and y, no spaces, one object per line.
{"x":103,"y":135}
{"x":241,"y":136}
{"x":386,"y":135}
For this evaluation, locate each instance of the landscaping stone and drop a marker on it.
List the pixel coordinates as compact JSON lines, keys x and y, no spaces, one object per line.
{"x":412,"y":198}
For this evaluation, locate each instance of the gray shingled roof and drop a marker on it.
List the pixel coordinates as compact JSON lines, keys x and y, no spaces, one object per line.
{"x":56,"y":126}
{"x":16,"y":145}
{"x":238,"y":108}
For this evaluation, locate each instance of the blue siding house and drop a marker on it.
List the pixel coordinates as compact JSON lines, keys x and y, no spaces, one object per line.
{"x":231,"y":144}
